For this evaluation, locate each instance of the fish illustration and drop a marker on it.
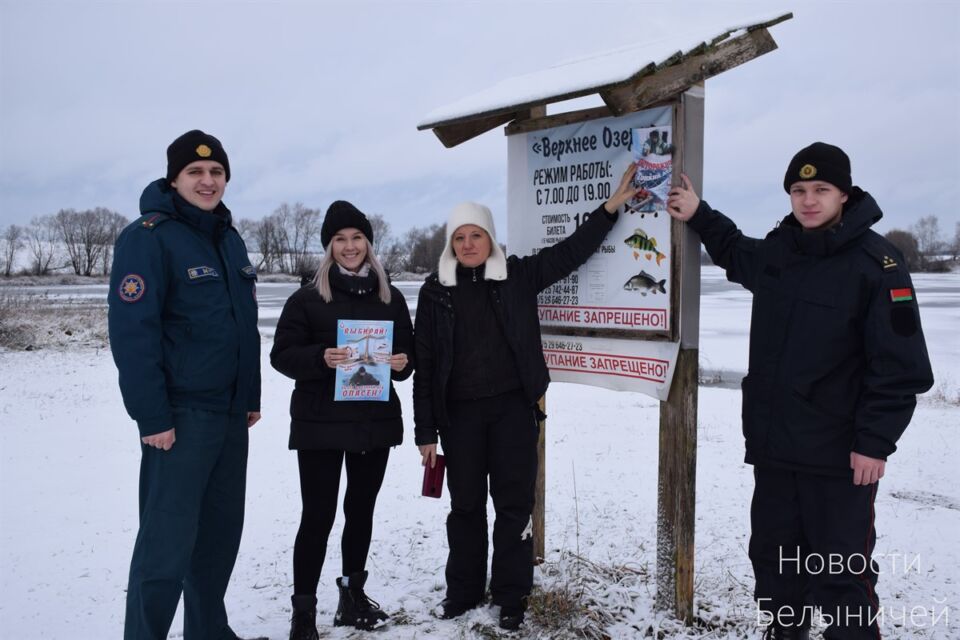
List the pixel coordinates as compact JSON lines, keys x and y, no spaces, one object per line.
{"x":644,"y":283}
{"x":640,"y":241}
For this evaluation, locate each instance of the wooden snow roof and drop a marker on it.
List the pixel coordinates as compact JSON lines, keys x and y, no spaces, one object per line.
{"x":627,"y":79}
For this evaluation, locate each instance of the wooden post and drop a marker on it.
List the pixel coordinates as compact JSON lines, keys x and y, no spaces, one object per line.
{"x":539,"y":513}
{"x":676,"y":486}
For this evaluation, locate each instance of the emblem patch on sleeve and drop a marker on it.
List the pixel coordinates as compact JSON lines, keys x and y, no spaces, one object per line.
{"x":132,"y":288}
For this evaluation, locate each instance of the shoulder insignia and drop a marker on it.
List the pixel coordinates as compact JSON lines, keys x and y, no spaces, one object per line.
{"x":132,"y":287}
{"x":880,"y":250}
{"x":250,"y":270}
{"x":151,"y":220}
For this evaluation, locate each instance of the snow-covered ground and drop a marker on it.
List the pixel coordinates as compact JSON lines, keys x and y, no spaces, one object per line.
{"x":68,"y":502}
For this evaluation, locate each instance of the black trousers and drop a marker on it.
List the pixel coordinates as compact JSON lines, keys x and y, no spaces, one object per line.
{"x":811,"y":542}
{"x":496,"y":438}
{"x":319,"y":490}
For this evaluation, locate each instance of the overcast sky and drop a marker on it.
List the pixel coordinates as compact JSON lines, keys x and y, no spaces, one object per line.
{"x":317,"y":101}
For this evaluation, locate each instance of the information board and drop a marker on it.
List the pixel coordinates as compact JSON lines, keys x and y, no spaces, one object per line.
{"x":556,"y":178}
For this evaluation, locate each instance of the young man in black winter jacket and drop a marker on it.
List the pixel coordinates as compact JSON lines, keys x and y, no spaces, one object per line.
{"x":837,"y":357}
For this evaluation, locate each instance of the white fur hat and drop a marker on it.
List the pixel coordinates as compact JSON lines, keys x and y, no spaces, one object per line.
{"x":471,"y":213}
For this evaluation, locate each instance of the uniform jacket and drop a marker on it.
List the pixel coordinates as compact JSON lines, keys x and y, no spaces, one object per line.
{"x":307,"y":327}
{"x":515,"y":303}
{"x":837,"y":353}
{"x":183,"y":312}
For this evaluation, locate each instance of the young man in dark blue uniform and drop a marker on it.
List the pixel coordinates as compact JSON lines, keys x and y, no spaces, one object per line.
{"x":837,"y":357}
{"x":183,"y":332}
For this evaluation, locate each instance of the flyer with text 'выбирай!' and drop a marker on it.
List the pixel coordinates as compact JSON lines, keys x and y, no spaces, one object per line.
{"x":365,"y":375}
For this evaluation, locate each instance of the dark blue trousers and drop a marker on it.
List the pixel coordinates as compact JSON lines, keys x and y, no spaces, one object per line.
{"x":826,"y":524}
{"x":493,"y":438}
{"x":191,"y":518}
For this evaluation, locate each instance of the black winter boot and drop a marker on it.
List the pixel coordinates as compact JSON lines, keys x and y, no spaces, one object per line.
{"x":355,"y":608}
{"x":511,"y":617}
{"x":303,"y":623}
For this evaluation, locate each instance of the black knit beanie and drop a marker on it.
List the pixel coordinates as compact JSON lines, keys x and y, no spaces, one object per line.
{"x":820,"y":161}
{"x":341,"y":215}
{"x":192,"y":146}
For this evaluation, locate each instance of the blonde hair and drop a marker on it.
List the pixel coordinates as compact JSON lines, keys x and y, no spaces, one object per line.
{"x":322,"y":278}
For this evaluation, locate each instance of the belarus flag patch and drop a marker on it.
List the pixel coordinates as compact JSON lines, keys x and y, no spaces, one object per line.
{"x":901,"y":295}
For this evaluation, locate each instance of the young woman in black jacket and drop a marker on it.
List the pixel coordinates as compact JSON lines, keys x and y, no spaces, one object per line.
{"x":480,"y":373}
{"x":350,"y":284}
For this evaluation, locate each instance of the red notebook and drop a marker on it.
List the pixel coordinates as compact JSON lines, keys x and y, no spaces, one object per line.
{"x":433,"y":479}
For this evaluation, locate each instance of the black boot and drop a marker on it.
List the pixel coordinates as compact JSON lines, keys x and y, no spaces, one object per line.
{"x":512,"y":615}
{"x":355,"y":608}
{"x":450,"y":609}
{"x":303,"y":622}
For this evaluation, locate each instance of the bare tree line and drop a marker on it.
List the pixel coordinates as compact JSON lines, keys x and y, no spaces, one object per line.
{"x":285,"y":241}
{"x":82,"y":239}
{"x":288,"y":241}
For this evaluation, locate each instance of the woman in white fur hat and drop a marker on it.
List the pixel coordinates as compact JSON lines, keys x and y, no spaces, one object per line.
{"x":480,"y":373}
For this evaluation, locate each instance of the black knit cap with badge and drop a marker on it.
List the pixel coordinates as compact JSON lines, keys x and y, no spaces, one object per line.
{"x":192,"y":146}
{"x":342,"y":215}
{"x":820,"y":161}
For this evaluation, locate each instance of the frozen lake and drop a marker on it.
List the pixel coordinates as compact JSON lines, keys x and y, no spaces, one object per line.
{"x":724,"y":314}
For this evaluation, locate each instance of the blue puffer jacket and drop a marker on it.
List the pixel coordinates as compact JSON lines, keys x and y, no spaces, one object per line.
{"x":183,"y":312}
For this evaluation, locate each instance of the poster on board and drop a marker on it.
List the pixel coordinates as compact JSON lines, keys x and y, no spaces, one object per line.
{"x":556,"y":178}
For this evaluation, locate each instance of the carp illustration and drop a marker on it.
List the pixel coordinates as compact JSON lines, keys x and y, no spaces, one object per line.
{"x":644,"y":283}
{"x":640,"y":241}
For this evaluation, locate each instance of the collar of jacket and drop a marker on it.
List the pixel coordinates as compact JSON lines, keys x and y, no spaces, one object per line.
{"x":158,"y":197}
{"x":860,"y":213}
{"x":356,"y":285}
{"x":470,"y":274}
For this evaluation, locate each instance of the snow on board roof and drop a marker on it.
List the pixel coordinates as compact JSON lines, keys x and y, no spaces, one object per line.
{"x":585,"y":76}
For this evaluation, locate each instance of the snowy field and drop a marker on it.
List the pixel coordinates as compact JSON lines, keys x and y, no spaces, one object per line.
{"x":69,"y":460}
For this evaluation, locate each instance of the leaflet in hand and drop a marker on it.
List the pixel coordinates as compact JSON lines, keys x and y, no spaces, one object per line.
{"x":366,"y":373}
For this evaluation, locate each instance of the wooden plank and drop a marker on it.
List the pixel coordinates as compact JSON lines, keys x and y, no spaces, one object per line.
{"x":692,"y":102}
{"x":533,"y":113}
{"x":641,"y":93}
{"x":539,"y":511}
{"x":511,"y":110}
{"x":676,"y":485}
{"x":676,"y":490}
{"x":556,"y":120}
{"x":454,"y":134}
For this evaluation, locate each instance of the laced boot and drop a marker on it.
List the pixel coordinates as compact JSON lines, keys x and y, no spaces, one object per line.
{"x":355,"y":608}
{"x":303,"y":622}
